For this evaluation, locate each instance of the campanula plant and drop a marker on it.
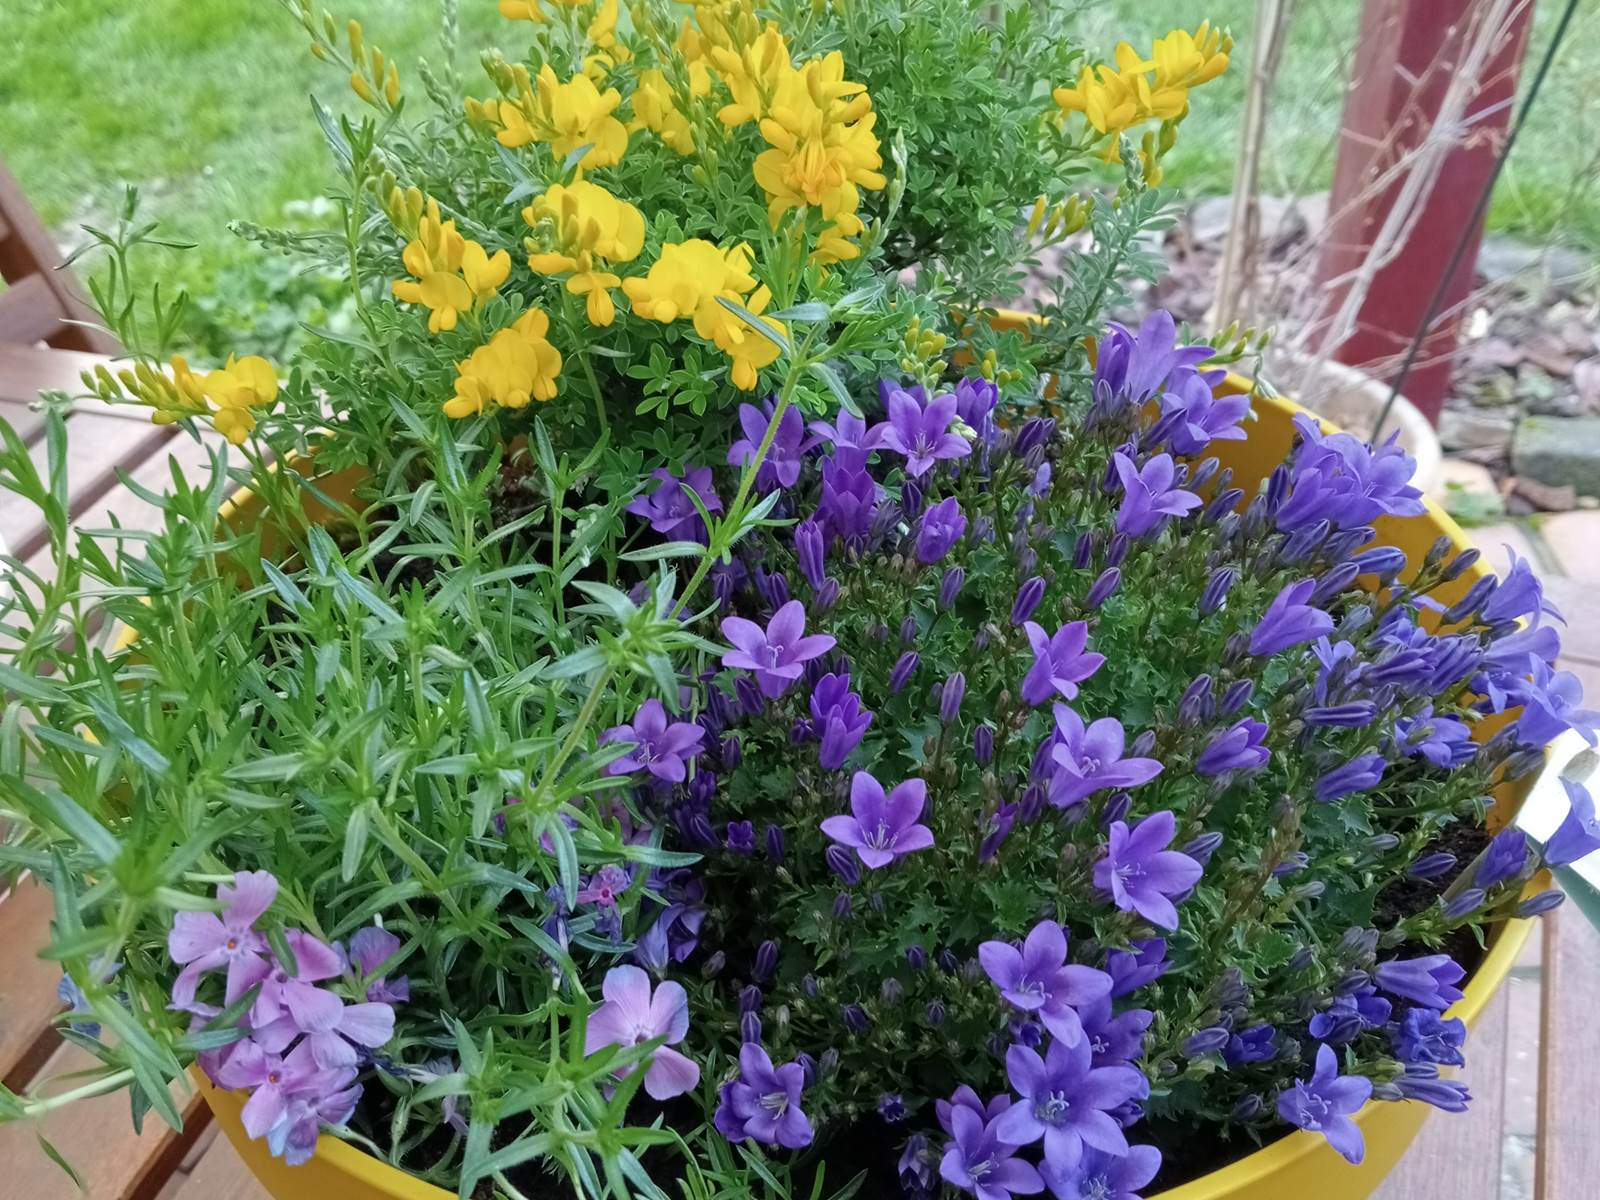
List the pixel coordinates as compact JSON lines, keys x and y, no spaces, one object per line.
{"x":685,"y":701}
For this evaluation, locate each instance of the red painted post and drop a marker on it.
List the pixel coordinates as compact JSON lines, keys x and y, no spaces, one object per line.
{"x":1407,"y":53}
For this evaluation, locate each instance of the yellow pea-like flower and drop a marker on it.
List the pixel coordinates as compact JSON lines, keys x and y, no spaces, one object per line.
{"x":587,"y":229}
{"x":517,"y":365}
{"x":687,"y":280}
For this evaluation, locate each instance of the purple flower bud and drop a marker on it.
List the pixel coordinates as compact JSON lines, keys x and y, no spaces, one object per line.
{"x":827,"y":595}
{"x":700,"y":831}
{"x":1382,"y":843}
{"x":1203,"y":473}
{"x":1295,"y":860}
{"x":1302,"y":958}
{"x":983,"y":745}
{"x":843,"y":863}
{"x":1203,"y":847}
{"x":1431,"y":866}
{"x":801,"y":731}
{"x":1469,"y":604}
{"x":983,"y":529}
{"x":1351,"y":982}
{"x":1307,"y":891}
{"x":948,"y":962}
{"x":1031,"y":807}
{"x":1207,"y":1041}
{"x":749,"y":1028}
{"x":712,"y":967}
{"x":774,"y":588}
{"x":766,"y":959}
{"x":1383,"y":561}
{"x":891,"y":1108}
{"x":828,"y":1064}
{"x":901,"y":672}
{"x":1036,"y":432}
{"x":1117,"y":550}
{"x":732,"y":752}
{"x":1195,"y":706}
{"x":741,"y":837}
{"x":750,"y":998}
{"x":1143,"y":744}
{"x":908,"y":630}
{"x":1235,"y":698}
{"x":1108,"y":582}
{"x":934,"y":1014}
{"x":1356,"y":715}
{"x":950,"y":697}
{"x":841,"y":906}
{"x":916,"y":957}
{"x":750,"y":698}
{"x":1542,"y":903}
{"x":1336,"y":580}
{"x":890,"y":991}
{"x":1116,"y":809}
{"x":1461,"y":563}
{"x":950,"y":587}
{"x":703,"y":787}
{"x":809,"y":985}
{"x":1083,"y":552}
{"x":854,"y":1018}
{"x":1217,"y":588}
{"x":1464,"y":904}
{"x":811,"y":551}
{"x":808,"y":1067}
{"x":911,"y":499}
{"x":1028,"y":597}
{"x":1222,"y":504}
{"x":1247,"y":1109}
{"x":775,"y":847}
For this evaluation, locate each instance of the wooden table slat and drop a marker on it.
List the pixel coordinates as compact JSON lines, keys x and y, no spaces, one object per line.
{"x":1457,"y":1155}
{"x":25,"y":371}
{"x":219,"y":1175}
{"x":96,"y":446}
{"x":97,"y":1137}
{"x":30,"y":311}
{"x":1568,"y":1163}
{"x":27,"y":983}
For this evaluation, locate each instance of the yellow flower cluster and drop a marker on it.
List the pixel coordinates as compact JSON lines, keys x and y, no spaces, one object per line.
{"x":686,"y":281}
{"x":515,"y":366}
{"x":587,"y":229}
{"x":563,"y":116}
{"x":228,"y":397}
{"x":817,"y":124}
{"x":452,"y":274}
{"x":1114,"y":99}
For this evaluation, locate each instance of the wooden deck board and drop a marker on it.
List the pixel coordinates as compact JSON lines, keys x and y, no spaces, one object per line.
{"x":27,"y":983}
{"x":1457,"y":1155}
{"x":1568,"y":1164}
{"x":97,"y":1137}
{"x":219,"y":1175}
{"x":96,"y":446}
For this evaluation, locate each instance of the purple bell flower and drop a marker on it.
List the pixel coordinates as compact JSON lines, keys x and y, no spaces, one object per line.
{"x":781,"y":467}
{"x":1149,"y":494}
{"x":1324,"y":1103}
{"x":1037,"y":979}
{"x":1428,"y":981}
{"x":1060,"y":662}
{"x":1088,"y":759}
{"x":1141,"y":874}
{"x":1065,"y":1100}
{"x":922,"y":433}
{"x":670,"y":510}
{"x":941,"y":528}
{"x":979,"y":1161}
{"x":1240,"y":747}
{"x":882,"y":828}
{"x":1289,"y":621}
{"x":778,"y":653}
{"x":763,"y":1102}
{"x":660,"y":747}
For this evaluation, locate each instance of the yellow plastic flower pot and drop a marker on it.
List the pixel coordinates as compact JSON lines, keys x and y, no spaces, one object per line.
{"x":1298,"y":1165}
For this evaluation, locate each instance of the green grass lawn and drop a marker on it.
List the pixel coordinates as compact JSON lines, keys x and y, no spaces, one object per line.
{"x":202,"y":103}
